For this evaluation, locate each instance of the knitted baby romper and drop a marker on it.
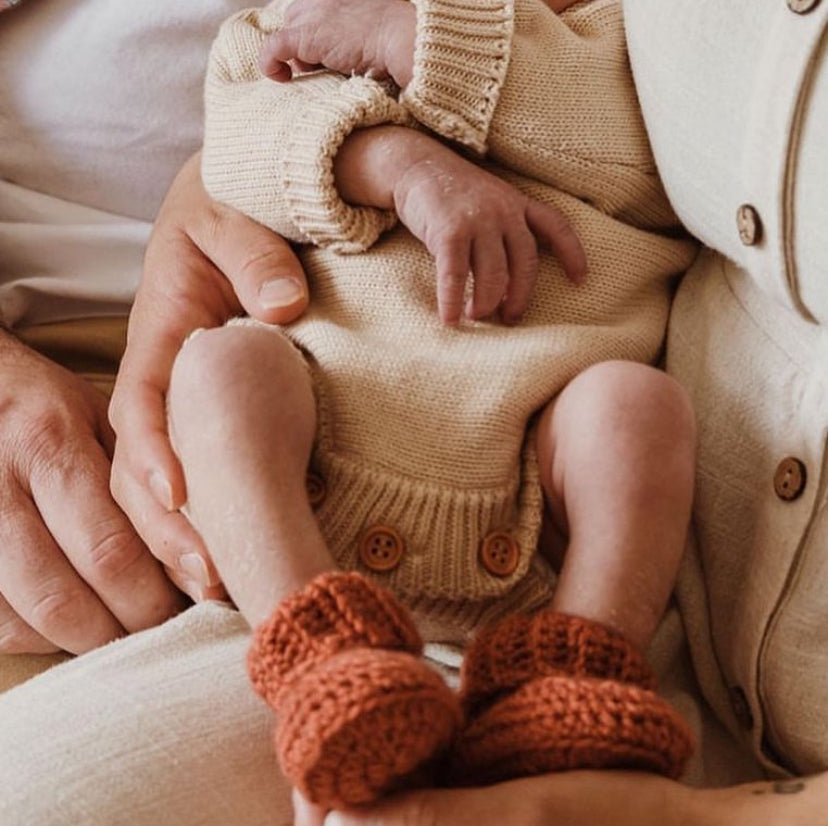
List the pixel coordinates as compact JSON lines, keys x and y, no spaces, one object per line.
{"x":428,"y":429}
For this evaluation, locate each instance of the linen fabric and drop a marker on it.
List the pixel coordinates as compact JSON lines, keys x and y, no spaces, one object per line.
{"x":735,"y":96}
{"x":100,"y":105}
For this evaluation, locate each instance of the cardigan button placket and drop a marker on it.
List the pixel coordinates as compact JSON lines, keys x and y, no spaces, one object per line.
{"x":790,"y":479}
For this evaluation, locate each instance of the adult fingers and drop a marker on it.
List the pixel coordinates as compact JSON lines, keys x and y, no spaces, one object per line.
{"x":551,"y":228}
{"x":41,"y":586}
{"x":171,"y":537}
{"x":261,"y":266}
{"x":491,"y":274}
{"x":18,"y":637}
{"x":522,"y":251}
{"x":70,"y":488}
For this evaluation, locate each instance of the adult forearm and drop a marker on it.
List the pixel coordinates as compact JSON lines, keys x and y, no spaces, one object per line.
{"x":793,"y":802}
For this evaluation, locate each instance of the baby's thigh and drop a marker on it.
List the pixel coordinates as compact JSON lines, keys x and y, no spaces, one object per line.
{"x":602,"y":421}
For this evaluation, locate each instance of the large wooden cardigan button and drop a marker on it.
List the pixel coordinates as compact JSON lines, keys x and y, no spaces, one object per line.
{"x":790,"y":479}
{"x":499,"y":553}
{"x":802,"y":6}
{"x":749,"y":225}
{"x":381,"y":548}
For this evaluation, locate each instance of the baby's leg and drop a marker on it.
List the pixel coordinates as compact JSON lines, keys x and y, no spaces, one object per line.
{"x":569,"y":687}
{"x":242,"y":419}
{"x":617,"y":458}
{"x":333,"y":654}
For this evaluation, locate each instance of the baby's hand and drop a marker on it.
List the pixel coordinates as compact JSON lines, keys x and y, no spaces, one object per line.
{"x":363,"y":37}
{"x":475,"y":224}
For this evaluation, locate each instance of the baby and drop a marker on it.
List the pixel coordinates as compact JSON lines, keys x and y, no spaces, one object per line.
{"x":462,"y":439}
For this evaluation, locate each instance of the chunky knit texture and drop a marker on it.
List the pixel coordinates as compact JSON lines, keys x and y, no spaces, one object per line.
{"x":357,"y":710}
{"x":421,"y":427}
{"x":554,"y":692}
{"x":522,"y":648}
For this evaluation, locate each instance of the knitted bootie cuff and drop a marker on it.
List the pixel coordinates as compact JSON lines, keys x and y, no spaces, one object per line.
{"x":334,"y":612}
{"x":522,"y":648}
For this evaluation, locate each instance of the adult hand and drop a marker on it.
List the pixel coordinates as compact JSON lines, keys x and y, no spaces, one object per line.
{"x":568,"y":799}
{"x":592,"y":798}
{"x":73,"y":572}
{"x":205,"y":263}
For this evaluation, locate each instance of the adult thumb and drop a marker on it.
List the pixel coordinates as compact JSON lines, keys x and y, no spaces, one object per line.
{"x":261,"y":266}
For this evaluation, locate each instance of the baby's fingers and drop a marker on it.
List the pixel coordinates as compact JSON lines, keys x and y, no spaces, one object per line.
{"x":453,"y":260}
{"x":553,"y":230}
{"x":491,"y":275}
{"x":280,"y":54}
{"x":522,"y":249}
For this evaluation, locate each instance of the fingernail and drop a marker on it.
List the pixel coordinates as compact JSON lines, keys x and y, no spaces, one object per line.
{"x":192,"y":589}
{"x":161,"y":489}
{"x":195,"y":569}
{"x":280,"y":292}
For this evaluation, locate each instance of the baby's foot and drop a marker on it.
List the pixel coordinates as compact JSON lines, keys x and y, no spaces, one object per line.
{"x":358,"y":711}
{"x":553,"y":692}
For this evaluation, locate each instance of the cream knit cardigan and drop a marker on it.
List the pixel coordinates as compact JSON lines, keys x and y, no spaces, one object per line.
{"x":421,"y":427}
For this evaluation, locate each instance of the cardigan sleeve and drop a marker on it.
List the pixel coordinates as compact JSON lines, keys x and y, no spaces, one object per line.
{"x":549,"y":96}
{"x":269,"y":147}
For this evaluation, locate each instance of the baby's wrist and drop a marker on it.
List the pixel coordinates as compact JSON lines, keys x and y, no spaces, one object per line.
{"x":371,"y":162}
{"x":399,"y":34}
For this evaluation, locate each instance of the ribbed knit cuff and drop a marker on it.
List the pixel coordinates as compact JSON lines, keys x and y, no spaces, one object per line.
{"x":310,"y":189}
{"x":461,"y":54}
{"x":336,"y":611}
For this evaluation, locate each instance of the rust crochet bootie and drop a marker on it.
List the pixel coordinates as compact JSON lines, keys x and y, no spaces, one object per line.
{"x":358,"y":711}
{"x":552,"y":692}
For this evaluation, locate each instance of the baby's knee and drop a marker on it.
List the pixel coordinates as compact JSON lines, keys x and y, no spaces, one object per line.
{"x":639,"y":398}
{"x":217,"y":367}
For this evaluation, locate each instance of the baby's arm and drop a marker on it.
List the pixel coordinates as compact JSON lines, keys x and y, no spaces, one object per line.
{"x":470,"y":220}
{"x":547,"y":95}
{"x":269,"y":147}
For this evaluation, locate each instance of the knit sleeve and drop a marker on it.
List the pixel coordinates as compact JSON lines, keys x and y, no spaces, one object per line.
{"x":461,"y":53}
{"x":547,"y":95}
{"x":269,"y":147}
